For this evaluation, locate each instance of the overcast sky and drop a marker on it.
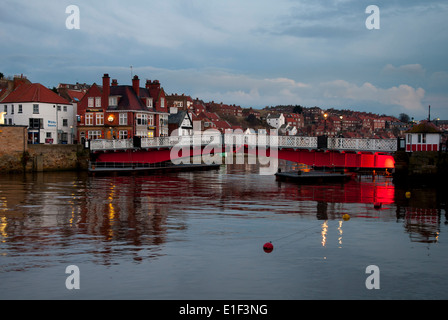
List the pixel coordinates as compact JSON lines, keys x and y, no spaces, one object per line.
{"x":253,"y":53}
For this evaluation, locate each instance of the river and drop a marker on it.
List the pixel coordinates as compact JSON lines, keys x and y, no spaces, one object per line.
{"x":200,"y":235}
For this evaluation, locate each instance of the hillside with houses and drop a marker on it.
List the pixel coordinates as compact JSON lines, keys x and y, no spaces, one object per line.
{"x":73,"y":113}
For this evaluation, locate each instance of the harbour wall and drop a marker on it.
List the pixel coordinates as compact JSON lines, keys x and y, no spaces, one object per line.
{"x":424,"y":167}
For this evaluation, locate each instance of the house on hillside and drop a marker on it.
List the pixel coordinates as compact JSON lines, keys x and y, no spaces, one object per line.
{"x":275,"y":120}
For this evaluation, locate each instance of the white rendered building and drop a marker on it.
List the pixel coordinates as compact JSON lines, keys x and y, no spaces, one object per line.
{"x":49,"y":117}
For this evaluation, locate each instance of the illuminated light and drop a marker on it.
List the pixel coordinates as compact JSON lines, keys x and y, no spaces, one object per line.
{"x":324,"y":233}
{"x":110,"y":118}
{"x":3,"y":225}
{"x":408,"y":195}
{"x":340,"y":233}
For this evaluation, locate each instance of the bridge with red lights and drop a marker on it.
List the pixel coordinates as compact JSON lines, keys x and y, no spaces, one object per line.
{"x":318,"y":152}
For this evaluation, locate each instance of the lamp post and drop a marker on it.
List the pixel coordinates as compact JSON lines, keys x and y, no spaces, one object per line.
{"x":341,"y":117}
{"x":325,"y":123}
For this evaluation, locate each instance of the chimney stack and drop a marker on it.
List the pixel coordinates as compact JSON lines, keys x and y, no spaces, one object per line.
{"x":114,"y":82}
{"x":136,"y":85}
{"x":106,"y":91}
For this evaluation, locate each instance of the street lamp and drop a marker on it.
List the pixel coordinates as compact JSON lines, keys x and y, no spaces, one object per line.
{"x":325,"y":123}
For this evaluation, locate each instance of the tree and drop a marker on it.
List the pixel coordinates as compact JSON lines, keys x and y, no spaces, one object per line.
{"x":403,"y":117}
{"x":252,"y":120}
{"x":298,"y":109}
{"x":1,"y":75}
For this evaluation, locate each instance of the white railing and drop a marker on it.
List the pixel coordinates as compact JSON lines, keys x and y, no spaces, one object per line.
{"x":110,"y":144}
{"x":387,"y":145}
{"x":297,"y":142}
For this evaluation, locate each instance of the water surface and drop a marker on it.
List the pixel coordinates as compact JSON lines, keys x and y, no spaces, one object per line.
{"x":199,"y":235}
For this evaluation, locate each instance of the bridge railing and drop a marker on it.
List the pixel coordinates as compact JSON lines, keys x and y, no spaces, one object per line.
{"x":180,"y":141}
{"x":297,"y":142}
{"x":110,"y":144}
{"x":386,"y":145}
{"x":374,"y":145}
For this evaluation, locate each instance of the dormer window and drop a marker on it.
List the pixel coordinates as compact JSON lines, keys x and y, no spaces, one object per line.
{"x":113,"y":101}
{"x":149,"y":102}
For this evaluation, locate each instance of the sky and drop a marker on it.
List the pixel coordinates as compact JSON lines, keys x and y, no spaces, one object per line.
{"x":252,"y":53}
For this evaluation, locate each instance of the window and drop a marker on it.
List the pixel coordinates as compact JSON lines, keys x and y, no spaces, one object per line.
{"x":151,"y":120}
{"x":36,"y":123}
{"x":424,"y":138}
{"x":113,"y":101}
{"x":12,"y":109}
{"x":59,"y":108}
{"x":98,"y":102}
{"x":419,"y":138}
{"x":89,"y":119}
{"x":162,"y":102}
{"x":64,"y":122}
{"x":65,"y":108}
{"x":123,"y":134}
{"x":35,"y":109}
{"x":100,"y":119}
{"x":178,"y":104}
{"x":90,"y":103}
{"x":142,"y":119}
{"x":5,"y":109}
{"x":149,"y":102}
{"x":20,"y":109}
{"x":94,"y":134}
{"x":123,"y":120}
{"x":48,"y":135}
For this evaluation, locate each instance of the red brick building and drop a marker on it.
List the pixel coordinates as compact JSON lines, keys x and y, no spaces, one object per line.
{"x":115,"y":111}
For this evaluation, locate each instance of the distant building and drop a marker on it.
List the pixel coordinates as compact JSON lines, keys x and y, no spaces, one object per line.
{"x":181,"y":102}
{"x":423,"y":137}
{"x":180,"y":124}
{"x":275,"y":120}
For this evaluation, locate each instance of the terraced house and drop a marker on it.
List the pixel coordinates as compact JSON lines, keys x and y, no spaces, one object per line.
{"x":115,"y":111}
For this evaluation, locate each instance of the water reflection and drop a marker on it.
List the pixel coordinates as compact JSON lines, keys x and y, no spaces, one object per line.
{"x":132,"y":217}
